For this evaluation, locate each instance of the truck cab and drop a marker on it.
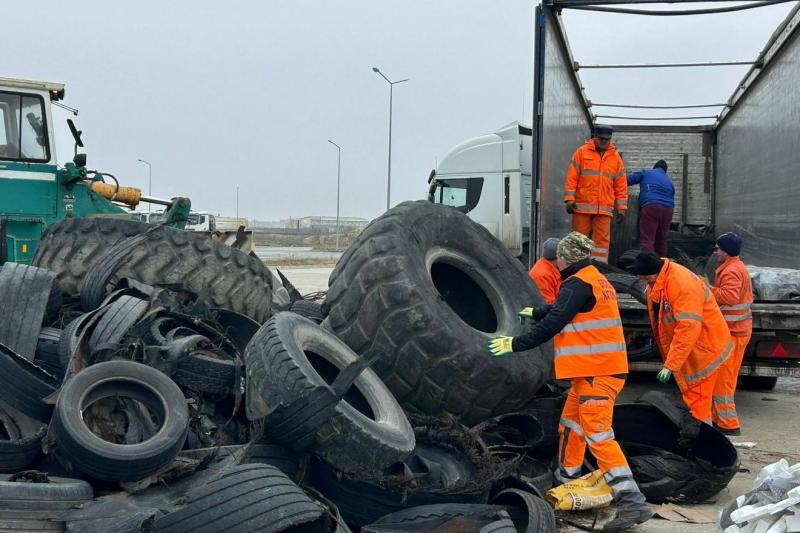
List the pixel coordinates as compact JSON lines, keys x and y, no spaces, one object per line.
{"x":488,"y":178}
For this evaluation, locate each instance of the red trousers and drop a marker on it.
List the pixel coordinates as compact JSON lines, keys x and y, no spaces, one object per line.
{"x":654,"y":220}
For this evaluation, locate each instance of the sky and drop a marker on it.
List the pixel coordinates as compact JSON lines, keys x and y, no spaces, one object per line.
{"x":246,"y":94}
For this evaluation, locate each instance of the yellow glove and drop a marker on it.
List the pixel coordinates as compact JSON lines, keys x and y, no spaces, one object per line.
{"x":501,"y":346}
{"x":664,"y":374}
{"x":525,"y":314}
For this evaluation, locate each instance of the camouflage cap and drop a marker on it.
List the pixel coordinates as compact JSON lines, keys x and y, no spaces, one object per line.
{"x":575,"y":247}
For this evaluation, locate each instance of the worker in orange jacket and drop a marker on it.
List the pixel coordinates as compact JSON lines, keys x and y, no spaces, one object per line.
{"x":545,"y":273}
{"x":689,"y":329}
{"x":596,"y":189}
{"x":585,"y":325}
{"x":733,"y":291}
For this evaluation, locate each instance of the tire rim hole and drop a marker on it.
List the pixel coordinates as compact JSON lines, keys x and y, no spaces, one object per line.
{"x":121,"y":420}
{"x":464,"y":296}
{"x":328,"y":372}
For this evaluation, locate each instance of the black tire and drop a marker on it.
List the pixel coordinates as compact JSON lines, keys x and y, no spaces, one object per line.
{"x":225,"y":277}
{"x":763,"y":383}
{"x":423,"y":288}
{"x":100,"y":277}
{"x":41,"y":499}
{"x":427,"y":517}
{"x":119,"y":462}
{"x":691,"y":246}
{"x":275,"y":455}
{"x":622,"y":281}
{"x":47,"y":351}
{"x":309,"y":309}
{"x":119,"y":317}
{"x":245,"y":498}
{"x":529,"y":475}
{"x":541,"y":517}
{"x":291,"y":357}
{"x":23,"y":385}
{"x":15,"y":526}
{"x":25,"y":294}
{"x":69,"y":340}
{"x":24,"y":439}
{"x":338,"y":525}
{"x":207,"y":372}
{"x":504,"y":524}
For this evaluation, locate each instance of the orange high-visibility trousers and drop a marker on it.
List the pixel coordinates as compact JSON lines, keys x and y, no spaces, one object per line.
{"x":724,"y":407}
{"x":697,"y":397}
{"x":586,"y":419}
{"x":597,"y":228}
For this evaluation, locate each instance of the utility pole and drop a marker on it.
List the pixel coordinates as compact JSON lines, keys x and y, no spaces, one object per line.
{"x":389,"y":171}
{"x":338,"y":182}
{"x":149,"y":182}
{"x":237,"y":201}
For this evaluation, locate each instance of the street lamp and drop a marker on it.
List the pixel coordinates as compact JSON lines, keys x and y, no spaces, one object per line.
{"x":149,"y":182}
{"x":338,"y":180}
{"x":389,"y":172}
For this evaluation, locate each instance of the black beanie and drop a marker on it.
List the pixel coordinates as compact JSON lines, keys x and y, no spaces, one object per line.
{"x":661,"y":164}
{"x":646,"y":264}
{"x":730,"y":243}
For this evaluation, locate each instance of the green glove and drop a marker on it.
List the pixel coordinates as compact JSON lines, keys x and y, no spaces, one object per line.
{"x":501,"y":346}
{"x":525,"y":314}
{"x":619,"y":216}
{"x":664,"y":374}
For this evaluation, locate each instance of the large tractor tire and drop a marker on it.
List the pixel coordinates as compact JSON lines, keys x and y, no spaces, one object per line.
{"x":228,"y":278}
{"x":423,"y":288}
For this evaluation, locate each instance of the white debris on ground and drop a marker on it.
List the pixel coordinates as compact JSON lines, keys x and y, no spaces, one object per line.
{"x":773,"y":506}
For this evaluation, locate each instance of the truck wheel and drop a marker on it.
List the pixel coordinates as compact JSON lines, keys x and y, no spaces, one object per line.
{"x":758,"y":382}
{"x":423,"y":288}
{"x":226,"y":277}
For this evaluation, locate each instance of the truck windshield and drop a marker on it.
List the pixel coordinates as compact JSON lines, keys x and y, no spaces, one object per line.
{"x":461,"y":193}
{"x":23,"y":131}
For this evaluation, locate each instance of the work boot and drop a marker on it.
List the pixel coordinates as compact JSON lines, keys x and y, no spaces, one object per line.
{"x":730,"y":432}
{"x":627,"y":519}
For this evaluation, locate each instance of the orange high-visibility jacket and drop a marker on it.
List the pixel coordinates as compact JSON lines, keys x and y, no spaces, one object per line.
{"x":734,"y":293}
{"x":593,"y":343}
{"x":596,"y":184}
{"x":547,"y":277}
{"x":691,"y":334}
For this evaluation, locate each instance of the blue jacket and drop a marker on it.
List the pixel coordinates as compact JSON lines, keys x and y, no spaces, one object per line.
{"x":655,"y":187}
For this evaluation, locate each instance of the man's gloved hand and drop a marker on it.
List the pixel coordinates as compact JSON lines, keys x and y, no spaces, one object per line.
{"x":664,"y":374}
{"x":571,"y":207}
{"x":525,"y":314}
{"x":619,"y":216}
{"x":501,"y":346}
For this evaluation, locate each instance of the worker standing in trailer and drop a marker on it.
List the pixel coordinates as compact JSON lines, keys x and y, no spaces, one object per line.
{"x":596,"y":190}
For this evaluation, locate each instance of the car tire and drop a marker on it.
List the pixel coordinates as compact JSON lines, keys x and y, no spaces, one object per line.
{"x":207,"y":372}
{"x":423,"y":288}
{"x":41,"y":499}
{"x":25,"y":436}
{"x":541,"y":517}
{"x":47,"y":351}
{"x":24,"y":386}
{"x":762,"y":383}
{"x":109,"y":461}
{"x":309,"y":309}
{"x":119,"y":316}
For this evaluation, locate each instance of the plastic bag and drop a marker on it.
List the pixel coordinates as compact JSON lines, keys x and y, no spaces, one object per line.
{"x":587,"y":492}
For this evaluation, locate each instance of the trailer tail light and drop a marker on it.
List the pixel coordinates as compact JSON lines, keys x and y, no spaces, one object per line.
{"x":778,"y":350}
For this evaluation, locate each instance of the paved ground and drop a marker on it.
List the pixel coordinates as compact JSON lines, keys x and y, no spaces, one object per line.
{"x":770,"y":419}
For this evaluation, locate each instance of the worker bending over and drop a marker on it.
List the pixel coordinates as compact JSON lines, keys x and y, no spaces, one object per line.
{"x":656,"y":204}
{"x":589,"y":345}
{"x":689,"y":329}
{"x":733,"y":291}
{"x":545,"y":273}
{"x":595,"y":188}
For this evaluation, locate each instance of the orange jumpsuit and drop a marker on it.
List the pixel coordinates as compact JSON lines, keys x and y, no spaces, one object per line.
{"x":547,"y":277}
{"x":733,"y":291}
{"x":691,"y":334}
{"x":598,"y":186}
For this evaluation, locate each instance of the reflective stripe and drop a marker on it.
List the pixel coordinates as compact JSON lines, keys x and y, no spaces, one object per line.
{"x":727,"y":413}
{"x":708,"y":421}
{"x":598,"y":249}
{"x":589,"y":172}
{"x":620,"y":203}
{"x":593,"y":324}
{"x":707,"y":291}
{"x":586,"y":206}
{"x":569,"y":193}
{"x":723,"y":399}
{"x":737,"y":318}
{"x":571,"y":424}
{"x":606,"y":209}
{"x":591,"y":349}
{"x":620,"y":173}
{"x":620,"y":471}
{"x":710,"y":368}
{"x":575,"y":165}
{"x":571,"y":470}
{"x":737,"y":307}
{"x":596,"y":438}
{"x":608,"y":175}
{"x":669,"y":319}
{"x":627,"y":485}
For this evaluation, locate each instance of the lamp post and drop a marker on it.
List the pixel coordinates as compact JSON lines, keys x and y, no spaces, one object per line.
{"x":149,"y":182}
{"x":338,"y":181}
{"x":389,"y":171}
{"x":237,"y":201}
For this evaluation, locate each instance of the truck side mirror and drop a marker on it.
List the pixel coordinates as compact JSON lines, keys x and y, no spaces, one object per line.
{"x":79,"y":160}
{"x":76,"y":135}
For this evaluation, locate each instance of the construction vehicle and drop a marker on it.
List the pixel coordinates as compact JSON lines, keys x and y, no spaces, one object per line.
{"x":512,"y":182}
{"x":35,"y":192}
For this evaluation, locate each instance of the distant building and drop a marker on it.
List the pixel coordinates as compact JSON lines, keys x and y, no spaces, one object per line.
{"x":321,"y":224}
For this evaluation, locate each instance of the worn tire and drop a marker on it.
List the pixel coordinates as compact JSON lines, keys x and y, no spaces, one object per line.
{"x":47,"y":351}
{"x":95,"y":285}
{"x":24,"y":439}
{"x":284,"y":460}
{"x":15,"y":526}
{"x":309,"y":309}
{"x":205,"y":373}
{"x":118,"y":462}
{"x":384,"y":302}
{"x":37,"y":501}
{"x":428,"y":517}
{"x":69,"y":340}
{"x":226,"y":277}
{"x":121,"y":315}
{"x":23,"y":385}
{"x":288,"y":359}
{"x":245,"y":498}
{"x":541,"y":517}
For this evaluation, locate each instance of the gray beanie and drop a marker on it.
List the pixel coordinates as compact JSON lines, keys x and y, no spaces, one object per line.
{"x":550,"y":248}
{"x":575,"y":247}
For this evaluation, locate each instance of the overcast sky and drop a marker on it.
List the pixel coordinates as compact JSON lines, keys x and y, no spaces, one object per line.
{"x":220,"y":94}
